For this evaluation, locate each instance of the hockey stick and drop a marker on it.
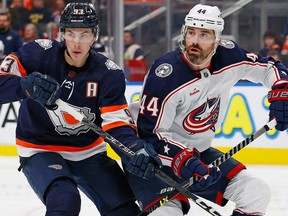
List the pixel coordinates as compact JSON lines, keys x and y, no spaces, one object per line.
{"x":217,"y":162}
{"x":64,"y":107}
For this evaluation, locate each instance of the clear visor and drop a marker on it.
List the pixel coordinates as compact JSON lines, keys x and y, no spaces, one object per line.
{"x":85,"y":37}
{"x":198,"y":35}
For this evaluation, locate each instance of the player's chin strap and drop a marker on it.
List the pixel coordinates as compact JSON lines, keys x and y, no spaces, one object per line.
{"x":64,"y":107}
{"x":217,"y":163}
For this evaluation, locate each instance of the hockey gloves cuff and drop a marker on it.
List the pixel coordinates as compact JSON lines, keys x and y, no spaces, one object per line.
{"x":41,"y":88}
{"x":278,"y":97}
{"x":187,"y":164}
{"x":143,"y":163}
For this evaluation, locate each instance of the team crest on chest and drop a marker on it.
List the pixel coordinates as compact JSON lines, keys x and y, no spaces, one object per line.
{"x":203,"y":117}
{"x":44,"y":43}
{"x":164,"y":70}
{"x":227,"y":44}
{"x":66,"y":124}
{"x":111,"y":65}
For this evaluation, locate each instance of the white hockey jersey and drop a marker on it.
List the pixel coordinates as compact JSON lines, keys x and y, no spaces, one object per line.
{"x":181,"y":108}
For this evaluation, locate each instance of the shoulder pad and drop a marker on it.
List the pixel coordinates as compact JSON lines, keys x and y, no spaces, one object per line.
{"x":227,"y":44}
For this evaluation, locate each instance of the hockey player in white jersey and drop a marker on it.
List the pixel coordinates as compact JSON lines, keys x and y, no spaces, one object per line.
{"x":183,"y":102}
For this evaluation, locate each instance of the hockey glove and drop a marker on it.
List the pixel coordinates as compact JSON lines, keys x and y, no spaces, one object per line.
{"x":41,"y":88}
{"x":187,"y":164}
{"x":278,"y":97}
{"x":143,"y":163}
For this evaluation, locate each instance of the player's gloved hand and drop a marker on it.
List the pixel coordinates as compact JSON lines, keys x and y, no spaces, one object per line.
{"x":143,"y":163}
{"x":41,"y":88}
{"x":187,"y":164}
{"x":278,"y":97}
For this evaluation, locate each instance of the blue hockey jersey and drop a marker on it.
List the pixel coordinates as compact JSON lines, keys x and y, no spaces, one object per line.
{"x":96,"y":90}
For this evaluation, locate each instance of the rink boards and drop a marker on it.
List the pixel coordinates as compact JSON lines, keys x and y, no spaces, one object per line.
{"x":247,"y":112}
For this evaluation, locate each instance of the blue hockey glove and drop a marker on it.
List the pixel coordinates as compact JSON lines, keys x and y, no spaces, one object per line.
{"x":41,"y":88}
{"x":143,"y":163}
{"x":278,"y":97}
{"x":187,"y":164}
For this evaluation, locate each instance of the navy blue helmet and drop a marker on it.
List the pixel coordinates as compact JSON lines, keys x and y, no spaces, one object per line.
{"x":79,"y":15}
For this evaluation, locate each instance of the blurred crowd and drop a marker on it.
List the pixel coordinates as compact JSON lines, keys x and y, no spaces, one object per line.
{"x":33,"y":18}
{"x":26,"y":20}
{"x":276,"y":45}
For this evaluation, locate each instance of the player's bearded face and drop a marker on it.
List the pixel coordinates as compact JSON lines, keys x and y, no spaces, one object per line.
{"x":199,"y":44}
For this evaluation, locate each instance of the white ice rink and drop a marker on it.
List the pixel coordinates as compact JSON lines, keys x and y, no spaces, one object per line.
{"x":17,"y":198}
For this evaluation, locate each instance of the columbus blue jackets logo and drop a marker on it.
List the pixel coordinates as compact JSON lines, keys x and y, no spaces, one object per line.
{"x":44,"y":43}
{"x":227,"y":44}
{"x":164,"y":70}
{"x":202,"y":118}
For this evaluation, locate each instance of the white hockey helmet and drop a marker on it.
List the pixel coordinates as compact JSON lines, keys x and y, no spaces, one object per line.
{"x":1,"y":46}
{"x":203,"y":16}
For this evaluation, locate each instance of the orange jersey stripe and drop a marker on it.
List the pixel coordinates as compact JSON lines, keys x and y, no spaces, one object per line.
{"x":113,"y":108}
{"x":56,"y":148}
{"x":20,"y":67}
{"x":114,"y":125}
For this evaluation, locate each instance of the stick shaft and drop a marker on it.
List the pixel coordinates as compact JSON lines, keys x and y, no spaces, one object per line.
{"x":64,"y":107}
{"x":217,"y":162}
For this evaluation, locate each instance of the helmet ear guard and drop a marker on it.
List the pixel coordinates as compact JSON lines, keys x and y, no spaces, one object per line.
{"x":182,"y":41}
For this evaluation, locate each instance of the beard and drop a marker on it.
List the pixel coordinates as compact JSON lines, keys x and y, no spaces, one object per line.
{"x":201,"y":56}
{"x":2,"y":29}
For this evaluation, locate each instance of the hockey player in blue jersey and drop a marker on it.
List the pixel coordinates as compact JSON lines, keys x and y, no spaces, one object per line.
{"x":182,"y":104}
{"x":58,"y":154}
